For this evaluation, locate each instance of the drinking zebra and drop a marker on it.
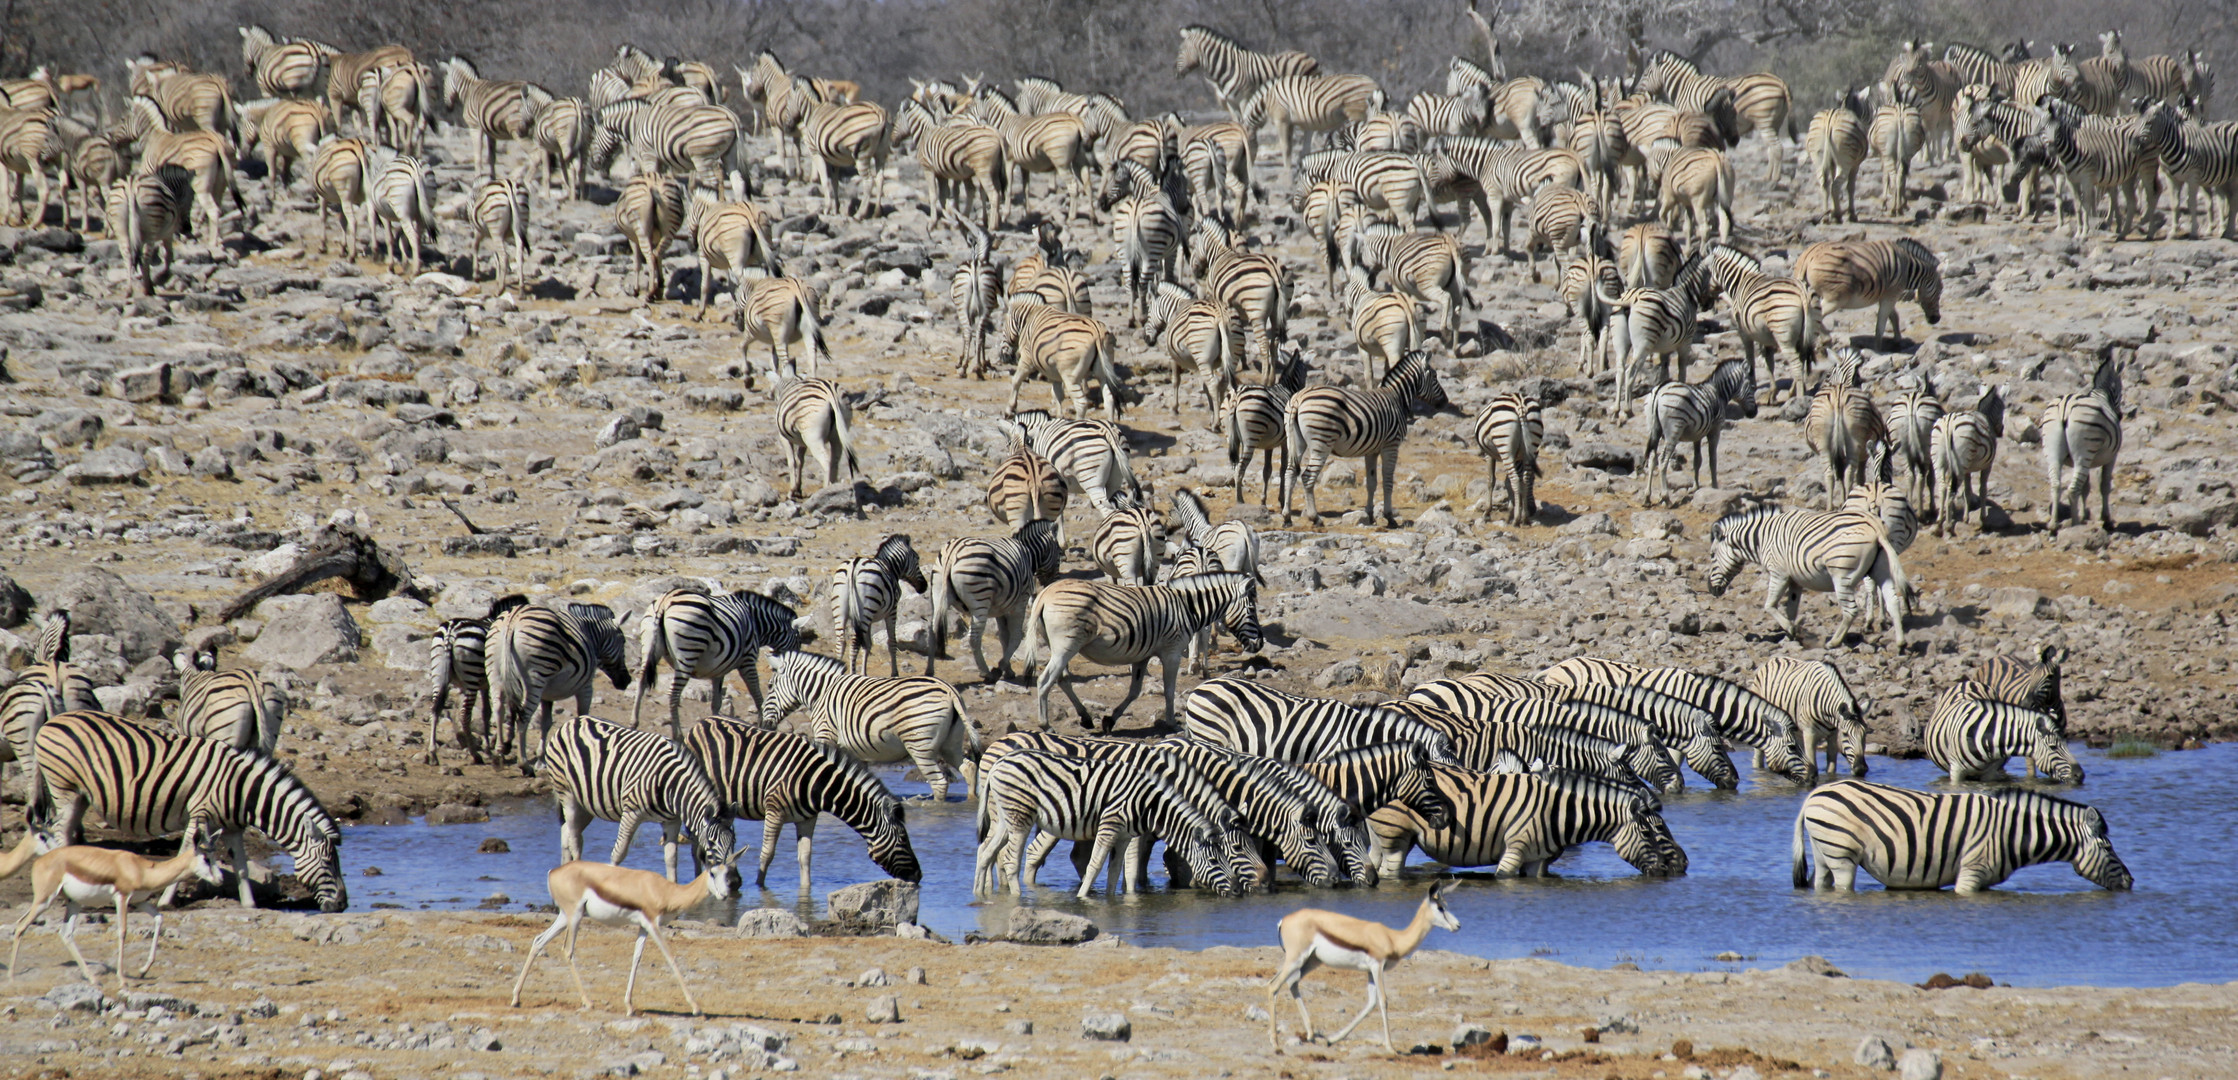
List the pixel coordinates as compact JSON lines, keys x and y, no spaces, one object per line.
{"x":784,"y":779}
{"x":1969,"y":737}
{"x":539,"y":655}
{"x":1826,"y":711}
{"x":868,"y":591}
{"x":1847,"y":274}
{"x":606,"y":771}
{"x":1248,"y":869}
{"x":1129,"y":625}
{"x":707,"y":636}
{"x":1736,"y":714}
{"x":1518,"y":823}
{"x":1920,"y":840}
{"x":991,"y":578}
{"x":1249,"y":718}
{"x":1616,"y":742}
{"x":2023,"y":680}
{"x":1815,"y":550}
{"x":1377,"y":775}
{"x":914,"y":718}
{"x":1106,"y":803}
{"x":1275,"y":811}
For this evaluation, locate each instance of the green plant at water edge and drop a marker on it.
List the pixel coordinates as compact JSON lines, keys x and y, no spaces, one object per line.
{"x":2133,"y":748}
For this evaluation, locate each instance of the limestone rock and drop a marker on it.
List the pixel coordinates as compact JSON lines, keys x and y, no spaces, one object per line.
{"x":99,"y":602}
{"x":311,"y":630}
{"x":1035,"y":926}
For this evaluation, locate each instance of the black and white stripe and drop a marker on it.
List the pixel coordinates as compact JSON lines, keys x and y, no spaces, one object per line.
{"x":1146,"y":227}
{"x":1847,"y":274}
{"x":1769,"y":313}
{"x":458,"y":657}
{"x":983,"y":578}
{"x":784,"y":779}
{"x":239,"y":708}
{"x":1247,"y":866}
{"x":1815,"y":550}
{"x":1234,"y":71}
{"x":865,"y":592}
{"x":1922,"y":840}
{"x":914,"y":718}
{"x":1026,"y":488}
{"x":1234,"y":544}
{"x":2083,"y":432}
{"x":965,"y":161}
{"x":1204,"y":336}
{"x":1275,"y":810}
{"x":1068,"y":349}
{"x":1250,"y":718}
{"x":694,"y":139}
{"x":43,"y":690}
{"x":1429,"y":267}
{"x":539,"y":655}
{"x":1973,"y":737}
{"x":2024,"y":680}
{"x":606,"y":771}
{"x":1965,"y":443}
{"x":145,"y":211}
{"x":1508,"y":431}
{"x":975,"y":291}
{"x":500,"y":215}
{"x":1309,"y":103}
{"x":1124,"y":625}
{"x":1253,"y":416}
{"x":1912,"y":414}
{"x":492,"y":109}
{"x":649,"y":211}
{"x":1837,"y":145}
{"x":1108,"y":803}
{"x":1518,"y":823}
{"x":815,"y":420}
{"x":1844,"y":428}
{"x":1128,"y":546}
{"x":1827,"y":712}
{"x":1337,"y":421}
{"x":1091,"y":456}
{"x":1694,"y":413}
{"x":1255,"y":285}
{"x":707,"y":636}
{"x":401,"y":193}
{"x":282,"y":66}
{"x":563,"y":141}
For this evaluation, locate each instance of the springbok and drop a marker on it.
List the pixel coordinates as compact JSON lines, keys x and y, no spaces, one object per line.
{"x":80,"y":875}
{"x":615,"y":895}
{"x":1314,"y":938}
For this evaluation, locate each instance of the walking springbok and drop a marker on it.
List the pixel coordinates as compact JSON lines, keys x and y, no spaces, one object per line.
{"x":1314,"y":938}
{"x":615,"y":895}
{"x":79,"y":876}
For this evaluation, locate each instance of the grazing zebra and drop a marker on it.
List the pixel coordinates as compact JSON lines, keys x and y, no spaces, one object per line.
{"x":814,"y":418}
{"x":1234,"y":544}
{"x":784,"y":779}
{"x":1518,"y":823}
{"x":1235,"y":72}
{"x":1657,"y":323}
{"x":146,"y":784}
{"x":1694,"y":414}
{"x":1965,"y":443}
{"x":145,"y":211}
{"x":1253,"y":416}
{"x":707,"y":636}
{"x":539,"y":655}
{"x":1336,"y":421}
{"x":401,"y":194}
{"x":1897,"y":135}
{"x":1558,"y":218}
{"x":1249,"y":718}
{"x":1814,"y":550}
{"x":964,"y":160}
{"x":458,"y":656}
{"x":1844,"y":428}
{"x":1482,"y":745}
{"x":1919,"y":840}
{"x":491,"y":109}
{"x":1768,"y":313}
{"x":1698,"y":186}
{"x":913,"y":718}
{"x":1310,"y":103}
{"x":1196,"y":335}
{"x":205,"y":155}
{"x":500,"y":214}
{"x":288,"y":131}
{"x":1254,"y":285}
{"x":1912,"y":415}
{"x":606,"y":771}
{"x":242,"y":709}
{"x":1091,"y":456}
{"x":1826,"y":711}
{"x":1368,"y":778}
{"x":1760,"y":100}
{"x":2083,"y":432}
{"x":339,"y":176}
{"x":1837,"y":144}
{"x":1847,"y":274}
{"x":1128,"y":546}
{"x":1145,"y":228}
{"x":976,"y":293}
{"x":1108,"y":803}
{"x":282,"y":67}
{"x":991,"y":578}
{"x":1736,"y":714}
{"x":1066,"y":348}
{"x":649,"y":210}
{"x":1026,"y":488}
{"x":729,"y":235}
{"x":1247,"y":866}
{"x":2194,"y":156}
{"x":1128,"y":625}
{"x":868,"y":591}
{"x":563,"y":142}
{"x":778,"y":312}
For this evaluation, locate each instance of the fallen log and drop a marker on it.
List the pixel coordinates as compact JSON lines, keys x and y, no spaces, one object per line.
{"x":334,"y":551}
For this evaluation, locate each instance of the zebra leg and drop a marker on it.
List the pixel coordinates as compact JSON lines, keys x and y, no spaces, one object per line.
{"x":1054,"y":674}
{"x":925,"y":754}
{"x":1135,"y":678}
{"x":625,"y":832}
{"x":2105,"y":496}
{"x":574,"y":818}
{"x":804,"y":848}
{"x":1846,"y":598}
{"x":1390,"y":486}
{"x":1106,"y":839}
{"x":773,"y":820}
{"x":237,"y":850}
{"x":1006,"y":633}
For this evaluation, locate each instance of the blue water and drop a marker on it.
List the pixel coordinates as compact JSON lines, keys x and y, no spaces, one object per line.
{"x":2174,"y":820}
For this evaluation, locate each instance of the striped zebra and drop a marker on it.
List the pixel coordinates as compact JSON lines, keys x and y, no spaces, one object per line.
{"x":1204,"y":336}
{"x":1658,"y":324}
{"x":1897,"y":135}
{"x":1275,"y":811}
{"x":1385,"y":325}
{"x":401,"y":194}
{"x":1651,"y":729}
{"x":1048,"y":274}
{"x":1384,"y":131}
{"x":2031,"y":681}
{"x":649,"y":211}
{"x":282,"y":67}
{"x":599,"y":769}
{"x":458,"y":657}
{"x":1815,"y":550}
{"x":784,"y":779}
{"x":2162,"y":77}
{"x":1255,"y":285}
{"x":1518,"y":823}
{"x":1066,"y":348}
{"x":2102,"y":83}
{"x":964,"y":161}
{"x":204,"y":155}
{"x":563,"y":141}
{"x":1253,"y":417}
{"x":1311,"y":103}
{"x":1989,"y":132}
{"x":1675,"y":715}
{"x":1509,"y":430}
{"x":1026,"y":488}
{"x":47,"y":688}
{"x":146,"y":784}
{"x":707,"y":636}
{"x":2195,"y":156}
{"x":1234,"y":543}
{"x":1827,"y":712}
{"x":1965,"y":443}
{"x":500,"y":214}
{"x":1235,"y":72}
{"x":1847,"y":274}
{"x":492,"y":109}
{"x":784,"y":99}
{"x":1693,"y":414}
{"x":1053,"y":143}
{"x":398,"y":103}
{"x":539,"y":655}
{"x":288,"y":131}
{"x":2083,"y":432}
{"x":1768,"y":313}
{"x":340,"y":174}
{"x":975,"y":291}
{"x":1110,"y":804}
{"x":1091,"y":456}
{"x":189,"y":100}
{"x":1844,"y":428}
{"x":913,"y":718}
{"x":1504,"y":175}
{"x":1912,"y":414}
{"x":1217,"y":158}
{"x":91,"y":167}
{"x":1543,"y":734}
{"x":1247,"y":867}
{"x":2095,"y":155}
{"x":1886,"y":502}
{"x":346,"y":72}
{"x":729,"y":235}
{"x":1390,"y":183}
{"x":1697,"y":185}
{"x":1376,"y":775}
{"x":1128,"y":546}
{"x":687,"y":137}
{"x":778,"y":312}
{"x":1928,"y":86}
{"x":868,"y":591}
{"x":1649,"y":255}
{"x":1338,"y":421}
{"x":1760,"y":101}
{"x":984,"y":578}
{"x":146,"y":211}
{"x":1921,"y":840}
{"x":1129,"y":625}
{"x":1584,"y":281}
{"x":1837,"y":145}
{"x":240,"y":708}
{"x":1428,"y":267}
{"x":1249,"y":718}
{"x":1145,"y":228}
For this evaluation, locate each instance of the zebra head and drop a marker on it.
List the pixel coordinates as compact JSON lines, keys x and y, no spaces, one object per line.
{"x":604,"y":633}
{"x":2050,"y":755}
{"x":2094,"y":855}
{"x":1732,"y":546}
{"x":1419,"y":790}
{"x":1240,"y":615}
{"x":1653,"y":766}
{"x":899,"y":556}
{"x":887,"y":840}
{"x":1201,"y":850}
{"x":318,"y":866}
{"x":715,"y":847}
{"x":1417,"y":382}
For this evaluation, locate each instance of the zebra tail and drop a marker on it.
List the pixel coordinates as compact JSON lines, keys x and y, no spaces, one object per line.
{"x":1112,"y":387}
{"x":1799,"y":853}
{"x":1895,"y":568}
{"x":845,"y":598}
{"x":973,"y":748}
{"x":511,"y":677}
{"x":652,"y":647}
{"x":839,"y":424}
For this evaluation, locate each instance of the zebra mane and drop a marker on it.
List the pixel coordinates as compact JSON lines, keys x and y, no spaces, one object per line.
{"x":290,"y":797}
{"x":506,"y":603}
{"x":2043,"y":802}
{"x":1738,"y":518}
{"x":1586,"y":784}
{"x":1210,"y":34}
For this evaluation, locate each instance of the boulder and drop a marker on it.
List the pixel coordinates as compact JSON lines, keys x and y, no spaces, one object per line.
{"x":838,"y":499}
{"x":1035,"y":926}
{"x":873,"y":905}
{"x":1328,"y":616}
{"x":454,"y":813}
{"x":770,"y":922}
{"x":2019,"y":602}
{"x":1106,"y":1027}
{"x":99,"y":602}
{"x":15,"y":603}
{"x":1873,"y":1053}
{"x":305,"y":631}
{"x":883,"y":1009}
{"x":142,"y":384}
{"x":1920,"y":1063}
{"x":108,"y":465}
{"x":1466,"y":1035}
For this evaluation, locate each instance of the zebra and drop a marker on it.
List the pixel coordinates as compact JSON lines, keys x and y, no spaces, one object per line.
{"x":1768,"y":313}
{"x":49,"y":687}
{"x":1657,"y":323}
{"x":242,"y":709}
{"x":1253,"y":284}
{"x":339,"y":176}
{"x":1465,"y":113}
{"x":991,"y":577}
{"x":1091,"y":456}
{"x":491,"y":109}
{"x":2195,"y":156}
{"x":1649,"y":256}
{"x":1128,"y":546}
{"x":1912,"y":414}
{"x":1467,"y":707}
{"x":1541,"y":733}
{"x":1145,"y":228}
{"x":189,"y":101}
{"x":868,"y":591}
{"x":963,"y":160}
{"x":1760,"y":100}
{"x":1929,"y":87}
{"x":1429,"y":267}
{"x":1196,"y":335}
{"x":913,"y":718}
{"x":346,"y":72}
{"x":2094,"y":155}
{"x":690,"y":137}
{"x":1694,"y":413}
{"x":1698,"y":185}
{"x":1965,"y":443}
{"x":146,"y":784}
{"x":1109,"y":803}
{"x":707,"y":636}
{"x":1679,"y":721}
{"x":401,"y":195}
{"x":815,"y":420}
{"x":1990,"y":131}
{"x":2162,"y":77}
{"x":1518,"y":823}
{"x":2083,"y":432}
{"x":1585,"y":280}
{"x":786,"y":779}
{"x":282,"y":67}
{"x":458,"y":656}
{"x":1507,"y":174}
{"x":2102,"y":82}
{"x":288,"y":130}
{"x":96,"y":163}
{"x":1922,"y":840}
{"x":1370,"y":777}
{"x":1844,"y":428}
{"x":1826,"y":711}
{"x":1309,"y":103}
{"x":976,"y":293}
{"x":1557,"y":223}
{"x":1125,"y":624}
{"x":1068,"y":349}
{"x":563,"y":142}
{"x":729,"y":235}
{"x":854,"y":136}
{"x":1247,"y":867}
{"x":779,"y":311}
{"x":1333,"y":421}
{"x":1509,"y":430}
{"x":1253,"y":417}
{"x":539,"y":655}
{"x":500,"y":214}
{"x":1047,"y":274}
{"x":1837,"y":144}
{"x":1846,"y":274}
{"x":1216,"y":158}
{"x":1886,"y":502}
{"x":1815,"y":550}
{"x":1385,"y":325}
{"x":205,"y":155}
{"x":1026,"y":488}
{"x":1234,"y":543}
{"x":649,"y":211}
{"x":1249,"y":718}
{"x":1383,"y":181}
{"x":1897,"y":134}
{"x":599,"y":769}
{"x":2024,"y":680}
{"x":398,"y":102}
{"x":145,"y":211}
{"x":1235,"y":72}
{"x":1275,"y":812}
